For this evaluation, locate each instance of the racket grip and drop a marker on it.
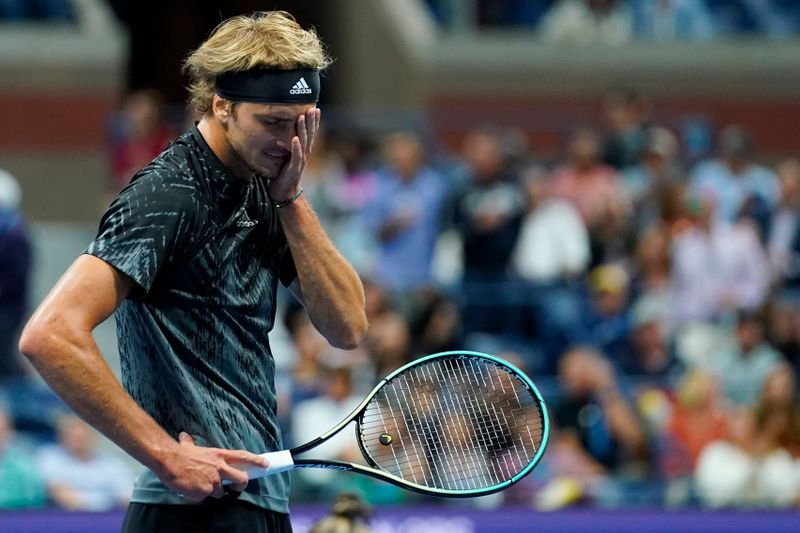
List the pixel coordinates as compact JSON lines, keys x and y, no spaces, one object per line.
{"x":278,"y":462}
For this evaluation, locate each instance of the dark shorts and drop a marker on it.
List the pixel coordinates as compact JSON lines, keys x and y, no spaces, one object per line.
{"x":221,"y":517}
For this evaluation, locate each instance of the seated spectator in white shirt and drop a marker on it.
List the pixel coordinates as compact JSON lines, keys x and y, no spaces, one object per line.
{"x":80,"y":478}
{"x":313,"y":416}
{"x":553,"y":243}
{"x":746,"y":469}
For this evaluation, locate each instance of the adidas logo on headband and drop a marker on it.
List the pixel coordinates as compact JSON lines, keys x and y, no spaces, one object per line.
{"x":269,"y":86}
{"x":301,"y":87}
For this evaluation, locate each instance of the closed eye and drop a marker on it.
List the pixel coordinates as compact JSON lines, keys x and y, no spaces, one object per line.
{"x":269,"y":120}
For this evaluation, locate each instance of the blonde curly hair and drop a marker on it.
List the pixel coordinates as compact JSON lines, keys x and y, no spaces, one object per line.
{"x":268,"y":39}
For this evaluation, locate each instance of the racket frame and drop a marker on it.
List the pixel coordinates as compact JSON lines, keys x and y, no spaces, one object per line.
{"x":376,"y":472}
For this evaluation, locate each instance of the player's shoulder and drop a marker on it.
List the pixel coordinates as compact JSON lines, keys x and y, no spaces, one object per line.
{"x":159,"y":189}
{"x":156,"y":185}
{"x":174,"y":173}
{"x":175,"y":165}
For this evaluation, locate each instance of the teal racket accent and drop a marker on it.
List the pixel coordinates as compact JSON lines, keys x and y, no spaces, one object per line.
{"x":452,"y":424}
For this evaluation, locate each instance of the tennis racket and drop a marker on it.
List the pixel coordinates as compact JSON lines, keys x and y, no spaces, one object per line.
{"x":454,"y":424}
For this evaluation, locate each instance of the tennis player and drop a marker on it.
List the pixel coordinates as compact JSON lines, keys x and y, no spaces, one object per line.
{"x":189,"y":256}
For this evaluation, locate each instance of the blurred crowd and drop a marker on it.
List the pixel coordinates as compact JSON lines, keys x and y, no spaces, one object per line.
{"x":652,"y":293}
{"x":48,"y":456}
{"x":71,"y":472}
{"x":619,"y":21}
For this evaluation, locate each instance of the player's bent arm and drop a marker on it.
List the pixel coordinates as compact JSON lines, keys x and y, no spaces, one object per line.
{"x":327,"y":285}
{"x":58,"y":341}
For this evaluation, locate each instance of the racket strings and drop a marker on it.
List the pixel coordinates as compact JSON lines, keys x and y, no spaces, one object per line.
{"x":456,"y":423}
{"x":451,"y":474}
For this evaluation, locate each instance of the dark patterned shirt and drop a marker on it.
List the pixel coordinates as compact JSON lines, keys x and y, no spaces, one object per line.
{"x":206,"y":251}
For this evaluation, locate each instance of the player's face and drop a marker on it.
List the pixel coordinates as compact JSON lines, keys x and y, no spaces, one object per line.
{"x":261,"y":134}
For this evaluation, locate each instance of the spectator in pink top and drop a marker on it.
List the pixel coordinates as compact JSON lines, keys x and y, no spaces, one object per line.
{"x":593,"y":187}
{"x":597,"y":192}
{"x":140,"y":134}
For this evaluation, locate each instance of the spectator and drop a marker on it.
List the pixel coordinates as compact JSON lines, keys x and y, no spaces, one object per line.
{"x":309,"y":345}
{"x":783,"y":329}
{"x":487,"y":212}
{"x":338,"y":189}
{"x":435,"y":324}
{"x":746,"y":468}
{"x":78,"y":477}
{"x":783,"y":239}
{"x":587,"y":22}
{"x":551,"y":255}
{"x":20,"y":483}
{"x":592,"y":187}
{"x":355,"y":193}
{"x":744,"y":366}
{"x":488,"y":209}
{"x":349,"y":514}
{"x":607,"y":320}
{"x":594,"y":409}
{"x":571,"y":475}
{"x":651,"y":182}
{"x":405,"y":215}
{"x":697,"y":420}
{"x":15,"y":267}
{"x":651,"y":265}
{"x":388,"y":343}
{"x":717,"y":267}
{"x":553,"y":244}
{"x":388,"y":340}
{"x":777,"y":411}
{"x":734,"y":178}
{"x":140,"y":134}
{"x":649,"y":354}
{"x":312,"y":354}
{"x":324,"y":181}
{"x":309,"y":417}
{"x":626,"y":113}
{"x":672,"y":20}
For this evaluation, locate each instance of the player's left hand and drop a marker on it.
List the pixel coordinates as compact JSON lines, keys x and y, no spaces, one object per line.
{"x":285,"y":185}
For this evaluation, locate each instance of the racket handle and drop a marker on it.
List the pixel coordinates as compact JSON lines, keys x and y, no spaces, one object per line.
{"x":278,"y":462}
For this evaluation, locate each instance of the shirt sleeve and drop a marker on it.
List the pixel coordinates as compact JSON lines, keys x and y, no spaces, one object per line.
{"x":147,"y":226}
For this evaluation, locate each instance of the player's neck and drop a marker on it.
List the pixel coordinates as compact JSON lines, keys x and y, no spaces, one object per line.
{"x":214,"y":135}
